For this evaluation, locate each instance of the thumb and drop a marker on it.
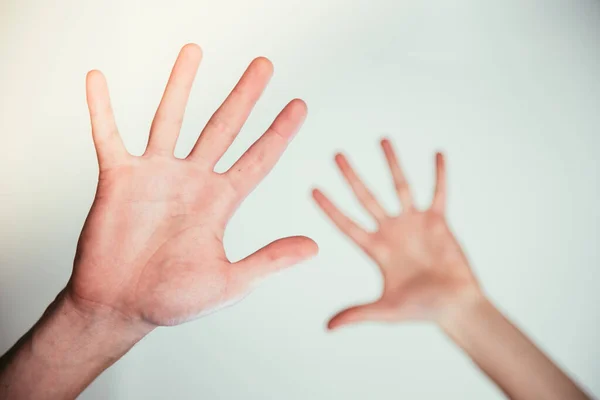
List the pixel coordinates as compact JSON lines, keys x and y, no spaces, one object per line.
{"x":272,"y":258}
{"x":367,"y":312}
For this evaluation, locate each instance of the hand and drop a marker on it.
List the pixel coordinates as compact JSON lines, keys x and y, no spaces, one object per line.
{"x":424,"y":269}
{"x":151,"y":249}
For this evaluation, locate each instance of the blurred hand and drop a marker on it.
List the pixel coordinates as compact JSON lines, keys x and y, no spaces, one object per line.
{"x":152,"y":246}
{"x":424,"y":270}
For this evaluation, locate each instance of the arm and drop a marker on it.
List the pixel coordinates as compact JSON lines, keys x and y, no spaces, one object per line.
{"x":505,"y":354}
{"x":65,"y":351}
{"x":151,"y":250}
{"x":428,"y":277}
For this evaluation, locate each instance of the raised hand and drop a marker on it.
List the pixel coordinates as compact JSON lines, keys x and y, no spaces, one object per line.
{"x":424,"y":269}
{"x":152,"y":246}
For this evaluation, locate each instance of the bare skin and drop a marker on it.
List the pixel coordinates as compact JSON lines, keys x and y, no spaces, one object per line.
{"x":427,"y":277}
{"x":151,"y":250}
{"x":151,"y":253}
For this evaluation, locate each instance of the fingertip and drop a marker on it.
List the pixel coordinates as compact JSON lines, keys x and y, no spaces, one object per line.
{"x":90,"y":74}
{"x":333,"y":323}
{"x":317,"y":195}
{"x":96,"y":91}
{"x":299,"y":247}
{"x":192,"y":49}
{"x":311,"y":247}
{"x":300,"y":105}
{"x":337,"y":322}
{"x":299,"y":102}
{"x":93,"y":76}
{"x":440,"y":160}
{"x":339,"y":158}
{"x":264,"y":64}
{"x":330,"y":326}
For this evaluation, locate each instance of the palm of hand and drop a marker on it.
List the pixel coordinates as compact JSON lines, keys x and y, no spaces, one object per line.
{"x":151,"y":247}
{"x":423,"y":267}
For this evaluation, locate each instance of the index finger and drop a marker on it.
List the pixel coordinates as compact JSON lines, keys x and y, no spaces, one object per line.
{"x":262,"y":156}
{"x":344,"y":224}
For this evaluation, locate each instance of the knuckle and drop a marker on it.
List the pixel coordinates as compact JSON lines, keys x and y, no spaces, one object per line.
{"x":401,"y":186}
{"x":277,"y":133}
{"x":219,"y":125}
{"x":436,"y":223}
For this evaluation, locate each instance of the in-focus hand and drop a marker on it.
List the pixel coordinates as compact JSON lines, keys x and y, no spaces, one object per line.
{"x":151,"y":249}
{"x":424,"y":270}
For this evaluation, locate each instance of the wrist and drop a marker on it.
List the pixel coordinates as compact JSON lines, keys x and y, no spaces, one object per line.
{"x":88,"y":334}
{"x":66,"y":349}
{"x":103,"y":316}
{"x":469,"y":307}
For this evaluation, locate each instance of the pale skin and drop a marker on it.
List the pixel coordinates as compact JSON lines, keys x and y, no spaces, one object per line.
{"x":426,"y":277}
{"x":151,"y":250}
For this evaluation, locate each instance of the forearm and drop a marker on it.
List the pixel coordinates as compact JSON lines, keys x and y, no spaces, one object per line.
{"x":505,"y":354}
{"x":64,"y":351}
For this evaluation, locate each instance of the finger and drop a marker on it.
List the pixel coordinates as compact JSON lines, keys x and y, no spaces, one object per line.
{"x":227,"y":121}
{"x":344,"y":224}
{"x":260,"y":158}
{"x":439,"y":197}
{"x":365,"y":197}
{"x":363,"y":313}
{"x":169,"y":115}
{"x":107,"y":141}
{"x":400,"y":182}
{"x":272,"y":258}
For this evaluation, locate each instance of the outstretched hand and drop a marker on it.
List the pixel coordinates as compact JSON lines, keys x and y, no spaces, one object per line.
{"x":424,"y":270}
{"x":152,"y":246}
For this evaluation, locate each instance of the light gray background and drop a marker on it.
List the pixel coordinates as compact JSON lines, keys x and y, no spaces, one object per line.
{"x":510,"y":90}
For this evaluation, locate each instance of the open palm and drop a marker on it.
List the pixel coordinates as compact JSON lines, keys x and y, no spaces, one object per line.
{"x":424,"y":269}
{"x":151,"y":248}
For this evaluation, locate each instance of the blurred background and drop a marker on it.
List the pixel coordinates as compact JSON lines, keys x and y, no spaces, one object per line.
{"x":509,"y":90}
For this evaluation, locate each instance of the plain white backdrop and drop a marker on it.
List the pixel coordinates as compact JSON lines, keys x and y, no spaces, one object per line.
{"x":510,"y":91}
